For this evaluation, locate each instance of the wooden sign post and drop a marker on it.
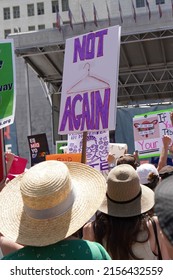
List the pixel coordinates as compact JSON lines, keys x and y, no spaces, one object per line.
{"x":84,"y":145}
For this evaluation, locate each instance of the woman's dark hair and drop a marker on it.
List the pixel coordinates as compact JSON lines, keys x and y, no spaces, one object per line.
{"x":118,"y":235}
{"x":153,"y":180}
{"x":128,"y":159}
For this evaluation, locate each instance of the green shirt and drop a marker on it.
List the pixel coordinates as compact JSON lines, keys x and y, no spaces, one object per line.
{"x":76,"y":249}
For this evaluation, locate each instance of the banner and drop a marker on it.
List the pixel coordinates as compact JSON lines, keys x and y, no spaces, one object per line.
{"x":148,"y":131}
{"x":38,"y":148}
{"x":90,"y":82}
{"x":7,"y":83}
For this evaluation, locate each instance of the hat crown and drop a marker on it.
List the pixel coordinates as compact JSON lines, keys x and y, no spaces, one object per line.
{"x":144,"y":170}
{"x":123,"y":183}
{"x":45,"y":185}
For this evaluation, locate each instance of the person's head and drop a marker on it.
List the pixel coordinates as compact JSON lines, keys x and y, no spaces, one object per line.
{"x":149,"y":175}
{"x":128,"y":159}
{"x":50,"y":202}
{"x":164,"y":210}
{"x":166,"y":171}
{"x":125,"y":203}
{"x":125,"y":195}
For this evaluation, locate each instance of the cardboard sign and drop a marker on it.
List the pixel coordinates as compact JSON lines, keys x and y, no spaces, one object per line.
{"x":38,"y":148}
{"x":117,"y":149}
{"x":7,"y":83}
{"x":64,"y":157}
{"x":149,"y":129}
{"x":90,"y":82}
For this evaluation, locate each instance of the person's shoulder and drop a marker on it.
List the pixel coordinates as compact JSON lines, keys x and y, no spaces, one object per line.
{"x":97,"y":246}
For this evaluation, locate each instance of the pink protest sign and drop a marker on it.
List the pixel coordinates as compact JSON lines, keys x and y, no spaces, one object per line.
{"x":148,"y":131}
{"x":90,"y":82}
{"x":17,"y":167}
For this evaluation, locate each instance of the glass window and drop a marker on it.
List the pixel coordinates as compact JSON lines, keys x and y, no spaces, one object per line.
{"x":6,"y":13}
{"x":55,"y":6}
{"x":140,"y":3}
{"x":7,"y":32}
{"x":16,"y":12}
{"x":41,"y":26}
{"x":30,"y":10}
{"x":17,"y":29}
{"x":65,"y":5}
{"x":160,"y":2}
{"x":40,"y":8}
{"x":31,"y":28}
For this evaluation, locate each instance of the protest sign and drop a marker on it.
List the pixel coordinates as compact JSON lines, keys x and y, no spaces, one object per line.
{"x":10,"y":139}
{"x":90,"y":82}
{"x":64,"y":157}
{"x":149,"y":129}
{"x":59,"y":146}
{"x":17,"y":167}
{"x":97,"y":148}
{"x":7,"y":83}
{"x":117,"y":149}
{"x":38,"y":148}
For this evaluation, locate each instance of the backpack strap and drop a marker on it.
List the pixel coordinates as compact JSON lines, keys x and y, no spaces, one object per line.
{"x":156,"y":237}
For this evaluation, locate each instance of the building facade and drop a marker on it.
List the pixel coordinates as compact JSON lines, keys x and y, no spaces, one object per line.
{"x":30,"y":15}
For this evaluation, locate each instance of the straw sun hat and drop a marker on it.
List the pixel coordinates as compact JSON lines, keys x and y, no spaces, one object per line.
{"x":125,"y":196}
{"x":50,"y":202}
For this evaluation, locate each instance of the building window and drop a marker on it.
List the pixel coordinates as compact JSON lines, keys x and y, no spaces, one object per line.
{"x":160,"y":2}
{"x":31,"y":28}
{"x":16,"y":12}
{"x":6,"y":13}
{"x":65,"y":5}
{"x":40,"y":8}
{"x":30,"y":9}
{"x":17,"y":29}
{"x":140,"y":3}
{"x":66,"y":22}
{"x":41,"y":26}
{"x":7,"y":32}
{"x":55,"y":6}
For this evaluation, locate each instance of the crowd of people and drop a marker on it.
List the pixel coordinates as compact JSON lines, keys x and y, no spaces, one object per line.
{"x":70,"y":211}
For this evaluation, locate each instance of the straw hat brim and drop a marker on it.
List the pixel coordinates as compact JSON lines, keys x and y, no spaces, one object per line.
{"x":90,"y":188}
{"x":138,"y":206}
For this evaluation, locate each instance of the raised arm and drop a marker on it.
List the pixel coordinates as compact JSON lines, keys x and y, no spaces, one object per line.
{"x":166,"y":140}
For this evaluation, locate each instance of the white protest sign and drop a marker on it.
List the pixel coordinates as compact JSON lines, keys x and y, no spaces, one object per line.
{"x":149,"y":129}
{"x":117,"y":149}
{"x":97,"y":149}
{"x":90,"y":82}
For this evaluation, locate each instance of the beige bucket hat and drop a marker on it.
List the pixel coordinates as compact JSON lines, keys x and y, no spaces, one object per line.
{"x":49,"y":202}
{"x":125,"y":196}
